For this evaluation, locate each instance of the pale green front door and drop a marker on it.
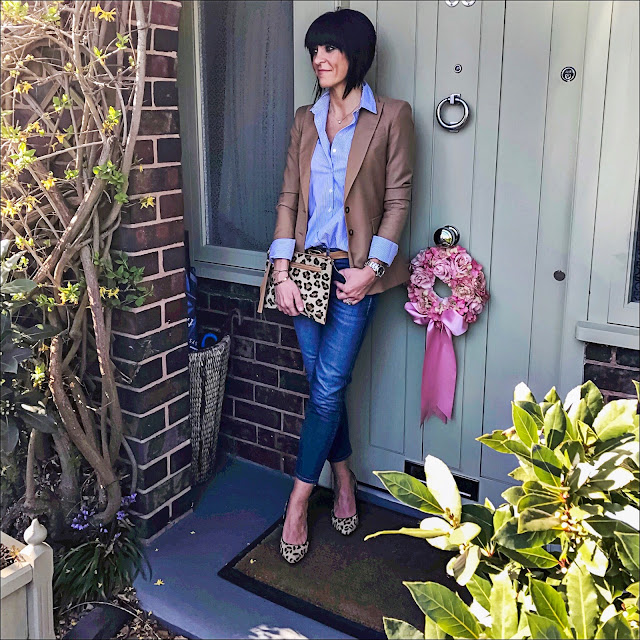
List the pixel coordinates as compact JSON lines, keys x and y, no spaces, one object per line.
{"x":506,"y":182}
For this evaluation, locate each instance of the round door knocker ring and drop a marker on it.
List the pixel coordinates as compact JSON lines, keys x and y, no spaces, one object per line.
{"x":453,"y":126}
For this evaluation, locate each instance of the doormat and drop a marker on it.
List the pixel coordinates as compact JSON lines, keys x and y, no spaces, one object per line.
{"x":344,"y":582}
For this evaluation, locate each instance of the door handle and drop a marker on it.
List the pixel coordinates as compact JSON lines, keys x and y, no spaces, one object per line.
{"x":453,"y":126}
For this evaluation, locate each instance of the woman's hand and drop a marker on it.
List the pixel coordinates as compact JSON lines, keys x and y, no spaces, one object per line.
{"x":288,"y":298}
{"x":358,"y":282}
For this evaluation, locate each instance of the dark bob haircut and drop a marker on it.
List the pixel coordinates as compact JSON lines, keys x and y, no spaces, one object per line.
{"x":351,"y":32}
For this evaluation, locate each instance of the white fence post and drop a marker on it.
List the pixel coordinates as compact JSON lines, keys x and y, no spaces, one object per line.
{"x":40,"y":590}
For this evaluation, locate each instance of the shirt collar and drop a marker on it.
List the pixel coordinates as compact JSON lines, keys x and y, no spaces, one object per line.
{"x":367,"y":101}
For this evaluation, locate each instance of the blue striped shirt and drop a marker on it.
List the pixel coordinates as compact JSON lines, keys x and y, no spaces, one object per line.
{"x":327,"y":225}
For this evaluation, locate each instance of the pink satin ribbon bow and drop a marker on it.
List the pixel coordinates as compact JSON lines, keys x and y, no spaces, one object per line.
{"x":439,"y":366}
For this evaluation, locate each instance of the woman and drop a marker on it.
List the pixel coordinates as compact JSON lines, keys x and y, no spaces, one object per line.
{"x":346,"y":188}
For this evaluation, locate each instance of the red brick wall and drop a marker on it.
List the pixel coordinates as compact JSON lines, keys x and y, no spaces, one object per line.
{"x":612,"y":369}
{"x":150,"y":342}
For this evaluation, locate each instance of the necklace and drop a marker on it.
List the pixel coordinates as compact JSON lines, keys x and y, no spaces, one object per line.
{"x":343,"y":117}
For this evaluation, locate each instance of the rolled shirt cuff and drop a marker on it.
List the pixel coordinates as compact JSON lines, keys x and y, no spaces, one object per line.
{"x":383,"y":249}
{"x":282,"y":248}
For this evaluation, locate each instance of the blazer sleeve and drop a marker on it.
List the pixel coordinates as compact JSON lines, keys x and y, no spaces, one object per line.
{"x":398,"y":174}
{"x":287,"y":207}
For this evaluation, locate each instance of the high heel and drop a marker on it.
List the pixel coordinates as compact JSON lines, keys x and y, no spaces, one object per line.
{"x":292,"y":553}
{"x":346,"y":526}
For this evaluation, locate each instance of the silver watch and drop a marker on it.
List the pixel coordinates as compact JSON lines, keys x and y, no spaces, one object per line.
{"x":376,"y":266}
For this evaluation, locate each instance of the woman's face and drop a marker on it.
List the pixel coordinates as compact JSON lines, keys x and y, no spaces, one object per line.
{"x":330,"y":66}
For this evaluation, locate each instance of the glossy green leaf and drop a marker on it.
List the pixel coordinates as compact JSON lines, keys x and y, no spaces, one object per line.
{"x":589,"y":405}
{"x":533,"y":409}
{"x":546,"y":465}
{"x":523,"y":452}
{"x":549,"y":603}
{"x":495,"y":440}
{"x":534,"y":558}
{"x":445,"y":608}
{"x":398,"y":629}
{"x":615,"y":628}
{"x":543,"y":628}
{"x":552,"y":396}
{"x":406,"y":531}
{"x":464,"y":533}
{"x":555,"y":425}
{"x":501,"y":516}
{"x":525,"y":425}
{"x":538,"y":519}
{"x":522,"y":393}
{"x":463,"y":566}
{"x":616,"y":417}
{"x":480,"y":589}
{"x":503,"y":606}
{"x":513,"y":494}
{"x":409,"y":490}
{"x":483,"y":517}
{"x":591,"y":556}
{"x":629,"y":551}
{"x":509,"y":537}
{"x":583,"y":600}
{"x":442,"y":485}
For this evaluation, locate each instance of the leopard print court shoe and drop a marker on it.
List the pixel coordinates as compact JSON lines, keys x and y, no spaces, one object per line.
{"x":292,"y":553}
{"x":346,"y":526}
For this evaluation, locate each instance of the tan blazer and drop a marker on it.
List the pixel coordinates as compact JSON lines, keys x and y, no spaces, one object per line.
{"x":377,"y":191}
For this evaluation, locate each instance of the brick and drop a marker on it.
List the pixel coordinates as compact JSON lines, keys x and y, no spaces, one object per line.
{"x":175,"y":310}
{"x":150,"y":236}
{"x":233,"y":289}
{"x":165,"y":40}
{"x":292,"y":424}
{"x":611,"y":378}
{"x":179,"y":409}
{"x":273,"y":315}
{"x":628,"y":357}
{"x":152,"y":475}
{"x":265,"y":457}
{"x":148,"y":261}
{"x":137,"y":349}
{"x":165,"y":14}
{"x":153,"y":123}
{"x":279,"y":356}
{"x":259,"y":331}
{"x":286,"y":444}
{"x":155,"y":179}
{"x":599,"y":352}
{"x":167,"y":287}
{"x":211,"y":320}
{"x":141,"y":402}
{"x":182,"y":505}
{"x":180,"y":458}
{"x":161,"y":443}
{"x":202,"y":298}
{"x":254,"y":371}
{"x":171,"y":206}
{"x":259,"y":415}
{"x":136,"y":323}
{"x":289,"y":338}
{"x":140,"y":375}
{"x":133,"y":213}
{"x":294,"y":382}
{"x":227,"y":406}
{"x":246,"y":308}
{"x":266,"y":438}
{"x":176,"y":360}
{"x":165,"y":94}
{"x":174,"y":258}
{"x":279,"y":399}
{"x":238,"y":429}
{"x":143,"y":152}
{"x":159,"y":66}
{"x":169,"y":150}
{"x":146,"y":96}
{"x":145,"y":426}
{"x":239,"y":388}
{"x":242,"y":347}
{"x":289,"y":464}
{"x":147,"y":527}
{"x":165,"y":491}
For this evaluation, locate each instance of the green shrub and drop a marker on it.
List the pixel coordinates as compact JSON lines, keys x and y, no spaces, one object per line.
{"x":559,"y":559}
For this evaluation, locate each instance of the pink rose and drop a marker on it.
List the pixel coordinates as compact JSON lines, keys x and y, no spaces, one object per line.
{"x":476,"y":307}
{"x":462,"y":262}
{"x":442,"y":270}
{"x":422,"y":278}
{"x":464,"y":291}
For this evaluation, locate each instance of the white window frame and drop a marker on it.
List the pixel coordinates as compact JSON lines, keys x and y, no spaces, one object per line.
{"x":210,"y":261}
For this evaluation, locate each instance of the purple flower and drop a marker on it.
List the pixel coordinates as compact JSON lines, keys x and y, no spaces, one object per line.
{"x":120,"y":515}
{"x":117,"y":535}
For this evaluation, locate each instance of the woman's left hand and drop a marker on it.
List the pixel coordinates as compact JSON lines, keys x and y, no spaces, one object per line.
{"x":358,"y":282}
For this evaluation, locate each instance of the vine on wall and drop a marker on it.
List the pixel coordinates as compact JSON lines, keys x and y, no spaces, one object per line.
{"x":73,"y":77}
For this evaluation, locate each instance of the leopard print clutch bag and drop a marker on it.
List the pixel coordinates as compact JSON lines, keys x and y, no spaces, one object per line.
{"x":312,"y":273}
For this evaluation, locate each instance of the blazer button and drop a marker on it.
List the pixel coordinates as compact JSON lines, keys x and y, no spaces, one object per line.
{"x":350,"y":232}
{"x":346,"y":209}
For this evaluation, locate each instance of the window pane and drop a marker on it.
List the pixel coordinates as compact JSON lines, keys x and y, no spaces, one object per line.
{"x":247,"y":75}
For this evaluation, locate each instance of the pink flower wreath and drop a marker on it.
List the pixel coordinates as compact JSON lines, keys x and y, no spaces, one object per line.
{"x":456,"y":268}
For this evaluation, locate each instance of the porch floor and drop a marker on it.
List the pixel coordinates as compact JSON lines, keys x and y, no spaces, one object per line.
{"x":239,"y":502}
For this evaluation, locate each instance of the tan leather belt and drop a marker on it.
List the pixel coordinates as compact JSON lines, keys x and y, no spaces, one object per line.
{"x":336,"y":255}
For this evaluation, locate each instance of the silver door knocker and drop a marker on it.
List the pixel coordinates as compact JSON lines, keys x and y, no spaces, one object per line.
{"x":447,"y":236}
{"x":453,"y":126}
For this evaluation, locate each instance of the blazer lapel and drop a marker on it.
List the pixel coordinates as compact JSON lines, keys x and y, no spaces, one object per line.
{"x":307,"y":146}
{"x":365,"y":127}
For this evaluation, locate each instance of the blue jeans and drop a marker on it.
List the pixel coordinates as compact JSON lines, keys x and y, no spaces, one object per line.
{"x":329,"y":353}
